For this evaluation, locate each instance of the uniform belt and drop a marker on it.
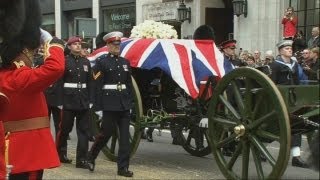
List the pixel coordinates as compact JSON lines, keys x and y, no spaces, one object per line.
{"x":118,"y":87}
{"x":75,"y":85}
{"x":27,"y":124}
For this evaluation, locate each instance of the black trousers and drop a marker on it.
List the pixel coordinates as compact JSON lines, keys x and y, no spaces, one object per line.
{"x":296,"y":140}
{"x":56,"y":116}
{"x":110,"y":122}
{"x":32,"y":175}
{"x":82,"y":126}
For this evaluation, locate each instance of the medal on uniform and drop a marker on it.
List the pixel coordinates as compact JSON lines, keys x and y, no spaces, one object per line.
{"x":85,"y":68}
{"x":125,"y":67}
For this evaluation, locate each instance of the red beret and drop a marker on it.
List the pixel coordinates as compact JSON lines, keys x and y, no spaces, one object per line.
{"x":228,"y":43}
{"x":73,"y":39}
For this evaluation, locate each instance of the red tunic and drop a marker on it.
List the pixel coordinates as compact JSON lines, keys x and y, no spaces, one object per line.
{"x":289,"y":27}
{"x":3,"y":108}
{"x":32,"y":149}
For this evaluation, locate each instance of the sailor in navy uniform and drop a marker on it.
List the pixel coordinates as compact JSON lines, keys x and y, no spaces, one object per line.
{"x":77,"y":99}
{"x":114,"y":74}
{"x":285,"y":71}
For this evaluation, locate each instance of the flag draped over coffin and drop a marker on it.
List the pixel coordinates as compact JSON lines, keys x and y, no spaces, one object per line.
{"x":186,"y":61}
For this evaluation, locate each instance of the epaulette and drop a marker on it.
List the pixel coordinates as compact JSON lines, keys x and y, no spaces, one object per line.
{"x":19,"y":64}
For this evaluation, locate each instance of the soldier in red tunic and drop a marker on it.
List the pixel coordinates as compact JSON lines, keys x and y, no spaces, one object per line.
{"x":31,"y":148}
{"x":3,"y":108}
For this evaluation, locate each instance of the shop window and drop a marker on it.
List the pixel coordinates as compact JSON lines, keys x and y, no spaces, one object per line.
{"x":119,"y":19}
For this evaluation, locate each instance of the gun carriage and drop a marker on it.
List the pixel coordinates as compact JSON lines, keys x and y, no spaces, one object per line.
{"x":244,"y":108}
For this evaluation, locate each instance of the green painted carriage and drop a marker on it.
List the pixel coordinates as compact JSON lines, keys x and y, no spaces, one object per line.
{"x":258,"y":117}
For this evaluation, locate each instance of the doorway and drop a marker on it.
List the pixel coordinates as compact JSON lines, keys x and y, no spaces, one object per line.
{"x":221,"y":20}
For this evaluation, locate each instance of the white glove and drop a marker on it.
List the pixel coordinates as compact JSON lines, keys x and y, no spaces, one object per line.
{"x":90,"y":105}
{"x":99,"y":114}
{"x":45,"y":36}
{"x":60,"y":107}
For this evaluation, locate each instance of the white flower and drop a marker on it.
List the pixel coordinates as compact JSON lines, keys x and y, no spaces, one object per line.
{"x":152,"y":29}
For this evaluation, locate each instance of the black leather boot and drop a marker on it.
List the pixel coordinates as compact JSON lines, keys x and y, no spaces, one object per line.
{"x":64,"y":159}
{"x":91,"y":162}
{"x":298,"y":162}
{"x":125,"y":172}
{"x":82,"y":164}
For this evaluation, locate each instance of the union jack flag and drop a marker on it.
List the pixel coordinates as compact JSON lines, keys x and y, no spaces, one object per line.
{"x":186,"y":61}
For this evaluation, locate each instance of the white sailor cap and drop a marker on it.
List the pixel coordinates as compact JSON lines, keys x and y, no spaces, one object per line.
{"x":114,"y":37}
{"x":284,"y":43}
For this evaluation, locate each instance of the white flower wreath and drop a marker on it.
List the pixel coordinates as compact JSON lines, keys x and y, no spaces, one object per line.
{"x":153,"y":29}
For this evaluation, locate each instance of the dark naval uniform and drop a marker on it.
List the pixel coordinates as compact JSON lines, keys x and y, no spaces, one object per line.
{"x":54,"y":99}
{"x":286,"y":74}
{"x":114,"y":74}
{"x":77,"y":96}
{"x":283,"y":73}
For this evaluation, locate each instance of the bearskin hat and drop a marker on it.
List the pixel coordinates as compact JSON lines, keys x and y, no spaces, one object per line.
{"x":204,"y":32}
{"x":20,"y":22}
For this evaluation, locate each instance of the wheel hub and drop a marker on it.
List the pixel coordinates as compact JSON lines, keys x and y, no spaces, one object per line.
{"x":239,"y":130}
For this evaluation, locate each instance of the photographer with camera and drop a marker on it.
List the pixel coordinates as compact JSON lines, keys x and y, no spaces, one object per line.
{"x":289,"y":22}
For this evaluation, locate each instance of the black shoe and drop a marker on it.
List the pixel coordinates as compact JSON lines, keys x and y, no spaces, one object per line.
{"x":65,"y":159}
{"x":91,"y":165}
{"x":125,"y":172}
{"x":298,"y":162}
{"x":149,"y":137}
{"x":82,"y":164}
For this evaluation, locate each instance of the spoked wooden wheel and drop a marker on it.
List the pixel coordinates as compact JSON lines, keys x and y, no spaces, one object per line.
{"x":111,"y":148}
{"x":195,"y":141}
{"x":247,"y":112}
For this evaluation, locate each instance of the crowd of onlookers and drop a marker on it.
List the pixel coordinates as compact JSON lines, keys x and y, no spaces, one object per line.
{"x":304,"y":52}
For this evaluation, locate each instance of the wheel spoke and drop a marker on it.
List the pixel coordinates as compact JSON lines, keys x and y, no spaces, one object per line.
{"x":258,"y":104}
{"x":223,"y":133}
{"x":188,"y":141}
{"x":226,"y":140}
{"x":268,"y":135}
{"x":230,"y":108}
{"x":261,"y":120}
{"x":248,"y":96}
{"x":238,"y":97}
{"x":224,"y":122}
{"x":257,"y":161}
{"x":235,"y":156}
{"x":245,"y":159}
{"x":260,"y":146}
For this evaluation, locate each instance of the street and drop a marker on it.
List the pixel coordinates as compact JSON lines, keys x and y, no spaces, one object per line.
{"x":160,"y":160}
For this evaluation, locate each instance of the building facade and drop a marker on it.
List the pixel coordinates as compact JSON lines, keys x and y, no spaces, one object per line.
{"x":260,"y":30}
